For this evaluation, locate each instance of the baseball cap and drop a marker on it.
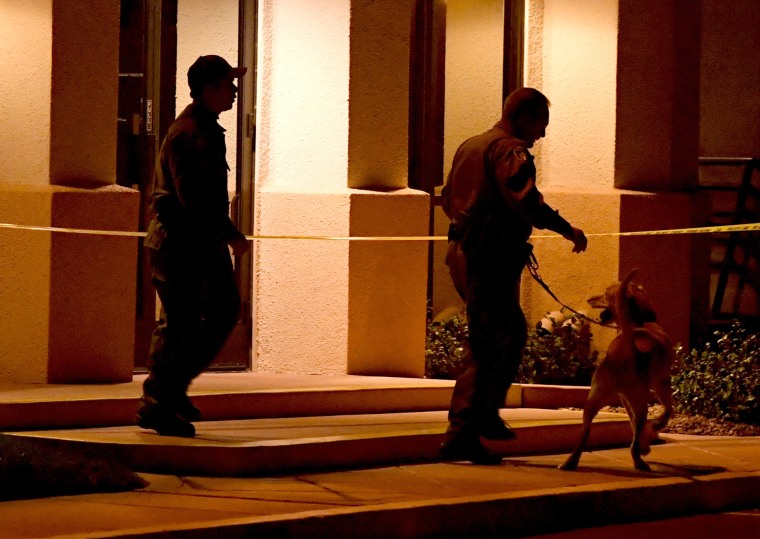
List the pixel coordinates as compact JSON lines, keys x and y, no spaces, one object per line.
{"x":210,"y":69}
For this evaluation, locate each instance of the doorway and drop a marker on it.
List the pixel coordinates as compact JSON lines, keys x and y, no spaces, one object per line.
{"x":159,"y":39}
{"x":467,"y":56}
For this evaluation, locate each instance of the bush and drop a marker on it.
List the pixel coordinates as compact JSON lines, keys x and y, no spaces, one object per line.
{"x":444,"y":347}
{"x":721,"y":379}
{"x":561,"y":357}
{"x":559,"y":354}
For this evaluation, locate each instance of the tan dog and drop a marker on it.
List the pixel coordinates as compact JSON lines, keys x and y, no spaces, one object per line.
{"x":638,"y":361}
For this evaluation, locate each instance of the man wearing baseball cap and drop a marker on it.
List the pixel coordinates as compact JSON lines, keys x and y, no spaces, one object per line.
{"x":188,"y":242}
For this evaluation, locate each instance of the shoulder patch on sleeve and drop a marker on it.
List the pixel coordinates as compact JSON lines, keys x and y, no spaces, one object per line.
{"x":520,"y":153}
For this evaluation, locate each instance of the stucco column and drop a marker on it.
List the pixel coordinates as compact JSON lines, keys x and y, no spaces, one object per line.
{"x":657,"y":135}
{"x":621,"y":150}
{"x":656,"y":151}
{"x":69,"y":300}
{"x":332,"y":160}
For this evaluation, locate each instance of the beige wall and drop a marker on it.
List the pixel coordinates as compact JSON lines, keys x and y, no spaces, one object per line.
{"x":302,"y":111}
{"x":84,"y":102}
{"x":303,"y":96}
{"x":24,"y":284}
{"x":377,"y":155}
{"x":730,"y":78}
{"x":576,"y":71}
{"x":571,"y":57}
{"x":67,"y":300}
{"x":622,"y":115}
{"x":332,"y":116}
{"x":26,"y":49}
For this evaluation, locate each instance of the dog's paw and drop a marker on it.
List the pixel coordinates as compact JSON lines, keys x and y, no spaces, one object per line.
{"x":570,"y":465}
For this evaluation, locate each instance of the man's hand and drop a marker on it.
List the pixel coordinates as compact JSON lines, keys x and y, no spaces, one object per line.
{"x":579,"y":240}
{"x":239,"y":246}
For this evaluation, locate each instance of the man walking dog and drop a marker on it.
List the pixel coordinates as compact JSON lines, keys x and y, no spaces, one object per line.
{"x":493,"y":203}
{"x":188,"y":243}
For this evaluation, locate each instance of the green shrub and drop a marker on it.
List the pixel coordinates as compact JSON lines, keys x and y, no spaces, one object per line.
{"x":562,"y":357}
{"x":444,"y":347}
{"x":721,"y":379}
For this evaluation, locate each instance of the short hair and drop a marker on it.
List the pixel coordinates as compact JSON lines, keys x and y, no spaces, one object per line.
{"x":524,"y":102}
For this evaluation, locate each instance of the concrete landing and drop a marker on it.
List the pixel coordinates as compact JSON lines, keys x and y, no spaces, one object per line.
{"x":296,"y":445}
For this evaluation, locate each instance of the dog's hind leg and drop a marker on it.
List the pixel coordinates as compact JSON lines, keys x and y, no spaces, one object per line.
{"x":642,"y":430}
{"x":664,"y":393}
{"x":595,"y":401}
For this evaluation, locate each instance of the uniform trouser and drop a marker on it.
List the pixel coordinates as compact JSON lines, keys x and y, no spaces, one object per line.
{"x":200,"y":304}
{"x":488,"y":278}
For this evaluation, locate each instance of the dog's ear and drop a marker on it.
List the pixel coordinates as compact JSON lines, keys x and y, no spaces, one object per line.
{"x":630,"y":275}
{"x":598,"y":301}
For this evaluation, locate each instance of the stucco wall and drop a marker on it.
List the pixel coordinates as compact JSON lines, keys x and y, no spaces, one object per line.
{"x":571,"y":57}
{"x":303,"y":106}
{"x":67,"y":301}
{"x":332,"y":115}
{"x":315,"y":289}
{"x":730,"y":78}
{"x":378,"y":156}
{"x":302,"y":169}
{"x":84,"y":103}
{"x":26,"y":50}
{"x":578,"y":65}
{"x":24,"y":284}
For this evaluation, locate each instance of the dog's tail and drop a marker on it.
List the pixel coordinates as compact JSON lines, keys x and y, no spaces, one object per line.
{"x":623,"y":307}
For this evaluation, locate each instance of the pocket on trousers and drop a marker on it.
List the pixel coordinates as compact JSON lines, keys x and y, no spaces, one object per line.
{"x":155,"y":236}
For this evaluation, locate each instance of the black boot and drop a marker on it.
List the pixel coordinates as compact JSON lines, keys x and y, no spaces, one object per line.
{"x":153,"y":415}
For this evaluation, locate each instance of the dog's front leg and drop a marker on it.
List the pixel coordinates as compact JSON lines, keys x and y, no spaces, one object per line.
{"x":590,"y":410}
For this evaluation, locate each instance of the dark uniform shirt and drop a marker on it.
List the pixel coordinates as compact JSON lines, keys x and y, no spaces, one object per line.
{"x":493,"y":180}
{"x":190,"y":195}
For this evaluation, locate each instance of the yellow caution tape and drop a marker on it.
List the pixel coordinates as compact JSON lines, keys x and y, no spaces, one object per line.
{"x":748,"y":227}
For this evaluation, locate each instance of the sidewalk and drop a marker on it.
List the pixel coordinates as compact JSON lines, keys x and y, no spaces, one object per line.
{"x":525,"y":495}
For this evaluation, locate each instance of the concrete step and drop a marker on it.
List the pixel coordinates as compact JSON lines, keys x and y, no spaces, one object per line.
{"x":228,"y":396}
{"x":220,"y":396}
{"x":271,"y":446}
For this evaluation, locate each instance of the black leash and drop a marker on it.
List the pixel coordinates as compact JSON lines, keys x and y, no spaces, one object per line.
{"x":533,"y":269}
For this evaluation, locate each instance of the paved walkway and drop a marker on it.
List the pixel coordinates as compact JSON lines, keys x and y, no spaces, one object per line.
{"x":525,"y":495}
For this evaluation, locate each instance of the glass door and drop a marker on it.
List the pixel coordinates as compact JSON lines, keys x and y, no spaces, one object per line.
{"x":151,"y":80}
